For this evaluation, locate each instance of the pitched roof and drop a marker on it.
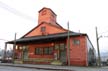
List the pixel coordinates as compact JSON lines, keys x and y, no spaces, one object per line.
{"x":46,"y":38}
{"x":48,"y":9}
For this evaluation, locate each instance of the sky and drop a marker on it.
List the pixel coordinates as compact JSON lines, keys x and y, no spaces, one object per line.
{"x":20,"y":16}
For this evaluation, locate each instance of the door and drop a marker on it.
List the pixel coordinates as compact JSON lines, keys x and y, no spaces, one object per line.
{"x":63,"y":56}
{"x":62,"y":53}
{"x":25,"y":52}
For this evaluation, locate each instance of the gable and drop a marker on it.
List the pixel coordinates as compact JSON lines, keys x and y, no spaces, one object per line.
{"x":50,"y":29}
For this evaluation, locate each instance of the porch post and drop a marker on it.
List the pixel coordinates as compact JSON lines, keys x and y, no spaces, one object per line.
{"x":22,"y":55}
{"x":68,"y":46}
{"x":14,"y":46}
{"x":4,"y":56}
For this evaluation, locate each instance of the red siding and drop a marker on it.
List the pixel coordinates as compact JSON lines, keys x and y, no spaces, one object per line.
{"x":78,"y":53}
{"x":32,"y":50}
{"x":53,"y":30}
{"x":48,"y":16}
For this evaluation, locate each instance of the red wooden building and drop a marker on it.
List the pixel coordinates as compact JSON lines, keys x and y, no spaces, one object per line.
{"x":47,"y":43}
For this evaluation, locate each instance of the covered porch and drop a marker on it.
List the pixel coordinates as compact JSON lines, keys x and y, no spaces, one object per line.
{"x":50,"y":49}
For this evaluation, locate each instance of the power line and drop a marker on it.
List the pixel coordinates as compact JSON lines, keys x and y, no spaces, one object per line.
{"x":14,"y":11}
{"x":104,"y":32}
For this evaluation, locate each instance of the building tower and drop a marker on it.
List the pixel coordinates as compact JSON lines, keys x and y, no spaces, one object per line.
{"x":47,"y":15}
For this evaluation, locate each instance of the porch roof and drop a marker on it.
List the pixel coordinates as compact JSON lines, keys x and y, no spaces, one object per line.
{"x":45,"y":38}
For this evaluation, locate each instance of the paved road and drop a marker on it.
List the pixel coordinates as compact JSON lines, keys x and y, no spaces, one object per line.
{"x":88,"y":68}
{"x":7,"y":68}
{"x":71,"y":68}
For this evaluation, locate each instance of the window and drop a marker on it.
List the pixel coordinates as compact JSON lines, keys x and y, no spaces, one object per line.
{"x":62,"y":46}
{"x":48,"y":50}
{"x":38,"y":50}
{"x":56,"y":47}
{"x":44,"y":51}
{"x":43,"y":29}
{"x":76,"y":42}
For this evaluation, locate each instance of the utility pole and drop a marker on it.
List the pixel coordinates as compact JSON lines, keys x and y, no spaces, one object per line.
{"x":97,"y":39}
{"x":68,"y":46}
{"x":14,"y":46}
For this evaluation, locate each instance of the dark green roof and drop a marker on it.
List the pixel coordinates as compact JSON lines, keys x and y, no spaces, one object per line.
{"x":45,"y":38}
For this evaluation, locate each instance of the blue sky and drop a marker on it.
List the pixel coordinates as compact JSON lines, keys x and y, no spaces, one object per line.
{"x":20,"y":16}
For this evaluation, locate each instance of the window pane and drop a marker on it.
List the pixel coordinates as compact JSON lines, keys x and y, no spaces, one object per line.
{"x":46,"y":51}
{"x":50,"y":50}
{"x":56,"y":47}
{"x":38,"y":51}
{"x":43,"y":29}
{"x":76,"y":42}
{"x":62,"y":46}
